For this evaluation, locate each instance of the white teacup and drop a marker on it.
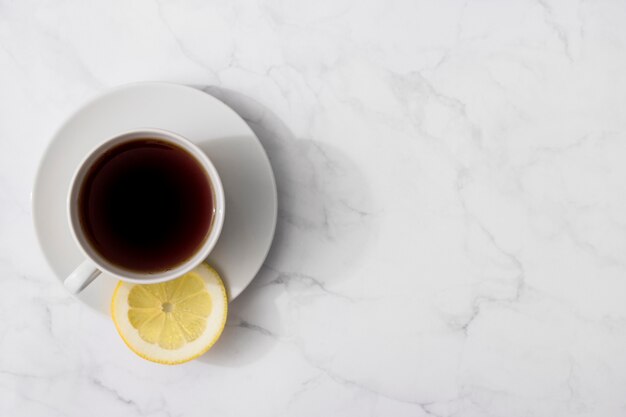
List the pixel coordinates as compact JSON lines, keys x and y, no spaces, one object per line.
{"x":95,"y":263}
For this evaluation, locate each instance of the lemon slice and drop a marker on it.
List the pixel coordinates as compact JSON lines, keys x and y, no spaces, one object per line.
{"x":172,"y":322}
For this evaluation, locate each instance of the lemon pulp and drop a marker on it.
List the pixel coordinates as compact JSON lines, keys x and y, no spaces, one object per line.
{"x":174,"y":321}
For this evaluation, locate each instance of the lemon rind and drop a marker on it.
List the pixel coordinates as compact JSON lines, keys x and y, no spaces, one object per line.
{"x":185,"y":360}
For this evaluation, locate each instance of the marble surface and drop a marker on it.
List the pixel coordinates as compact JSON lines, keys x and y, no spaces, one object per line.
{"x":452,"y":223}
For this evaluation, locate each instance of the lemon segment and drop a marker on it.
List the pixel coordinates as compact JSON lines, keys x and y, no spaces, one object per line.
{"x":171,"y":322}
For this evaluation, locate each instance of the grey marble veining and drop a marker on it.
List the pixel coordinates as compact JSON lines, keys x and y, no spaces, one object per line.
{"x":451,"y":237}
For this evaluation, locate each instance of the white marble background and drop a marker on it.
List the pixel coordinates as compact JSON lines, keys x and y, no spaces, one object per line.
{"x":452,"y":231}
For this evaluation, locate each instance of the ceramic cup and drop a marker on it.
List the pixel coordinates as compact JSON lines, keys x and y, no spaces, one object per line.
{"x":94,"y":263}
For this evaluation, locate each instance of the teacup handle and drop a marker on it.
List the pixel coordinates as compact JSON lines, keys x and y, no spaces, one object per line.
{"x":81,"y":277}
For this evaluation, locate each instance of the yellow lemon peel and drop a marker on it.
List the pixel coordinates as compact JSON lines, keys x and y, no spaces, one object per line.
{"x":171,"y":322}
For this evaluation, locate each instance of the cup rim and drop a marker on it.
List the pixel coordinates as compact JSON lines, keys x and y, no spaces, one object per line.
{"x":127,"y":274}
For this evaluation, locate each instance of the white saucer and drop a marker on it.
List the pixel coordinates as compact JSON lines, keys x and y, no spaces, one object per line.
{"x":246,"y":173}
